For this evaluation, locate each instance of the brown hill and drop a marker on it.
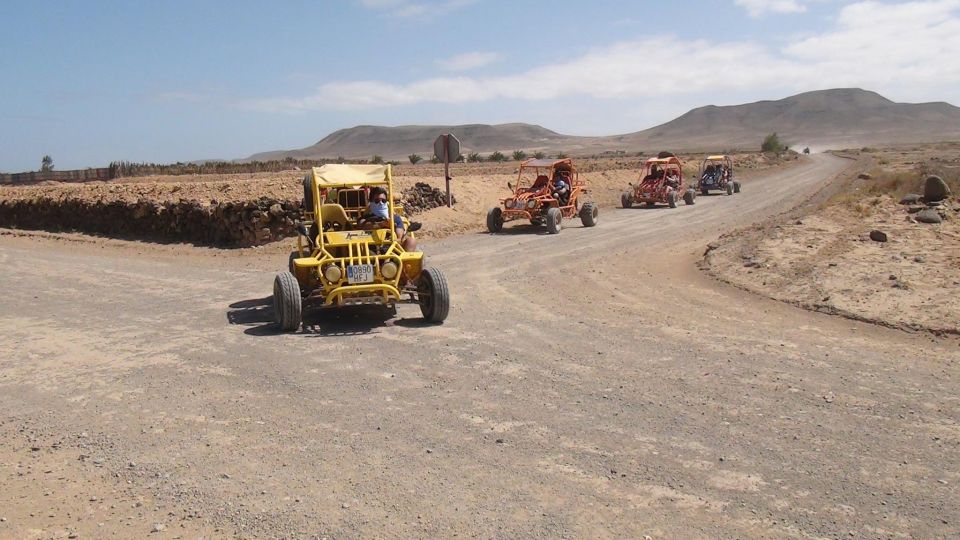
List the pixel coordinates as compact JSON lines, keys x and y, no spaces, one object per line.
{"x":826,"y":118}
{"x":838,"y":118}
{"x":398,"y":142}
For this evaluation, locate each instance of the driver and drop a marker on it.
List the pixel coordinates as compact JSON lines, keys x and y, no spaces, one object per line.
{"x":378,"y":212}
{"x":561,"y":188}
{"x":655,"y":174}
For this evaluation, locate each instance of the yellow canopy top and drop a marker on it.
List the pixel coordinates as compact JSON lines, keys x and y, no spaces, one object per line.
{"x":339,"y":175}
{"x":716,"y":158}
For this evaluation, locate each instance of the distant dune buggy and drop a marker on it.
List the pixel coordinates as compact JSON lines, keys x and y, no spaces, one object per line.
{"x":661,"y":181}
{"x":547,"y":192}
{"x":716,"y":172}
{"x":339,"y":263}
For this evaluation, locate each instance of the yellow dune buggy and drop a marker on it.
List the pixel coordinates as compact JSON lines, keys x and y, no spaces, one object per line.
{"x":343,"y":258}
{"x":547,"y":192}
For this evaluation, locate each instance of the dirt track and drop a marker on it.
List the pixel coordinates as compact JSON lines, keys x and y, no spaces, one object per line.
{"x":591,"y":384}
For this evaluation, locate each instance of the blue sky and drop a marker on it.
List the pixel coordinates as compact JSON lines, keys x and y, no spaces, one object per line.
{"x":91,"y":82}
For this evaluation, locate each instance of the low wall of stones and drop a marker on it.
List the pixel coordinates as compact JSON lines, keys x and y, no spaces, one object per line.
{"x":228,"y":224}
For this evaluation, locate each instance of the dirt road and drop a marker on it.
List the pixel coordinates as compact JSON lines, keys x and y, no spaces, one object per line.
{"x":586,"y":385}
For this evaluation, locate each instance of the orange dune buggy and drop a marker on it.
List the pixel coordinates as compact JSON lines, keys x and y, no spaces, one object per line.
{"x":661,"y":181}
{"x":547,"y":192}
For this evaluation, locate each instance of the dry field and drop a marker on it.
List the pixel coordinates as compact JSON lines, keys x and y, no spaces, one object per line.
{"x":823,"y":258}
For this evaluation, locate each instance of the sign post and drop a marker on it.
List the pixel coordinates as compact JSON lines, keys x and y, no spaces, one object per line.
{"x":444,"y":147}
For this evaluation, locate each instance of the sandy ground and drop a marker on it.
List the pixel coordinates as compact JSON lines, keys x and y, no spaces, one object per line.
{"x":823,"y":258}
{"x":590,"y":384}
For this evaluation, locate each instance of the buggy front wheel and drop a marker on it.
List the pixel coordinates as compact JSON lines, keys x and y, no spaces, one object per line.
{"x":495,"y":219}
{"x":589,"y":213}
{"x":626,"y":200}
{"x":729,"y":188}
{"x":688,"y":196}
{"x":433,"y":295}
{"x":554,"y":217}
{"x":736,"y":187}
{"x":287,"y":305}
{"x":672,"y":199}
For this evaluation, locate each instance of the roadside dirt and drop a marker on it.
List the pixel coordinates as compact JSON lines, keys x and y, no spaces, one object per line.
{"x":824,"y":259}
{"x":587,"y":384}
{"x":476,"y":187}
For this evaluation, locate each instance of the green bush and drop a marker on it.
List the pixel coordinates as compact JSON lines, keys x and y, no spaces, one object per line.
{"x":474,"y":157}
{"x":414,"y":159}
{"x":376,"y":160}
{"x":771,"y":143}
{"x":519,"y":155}
{"x":497,"y":157}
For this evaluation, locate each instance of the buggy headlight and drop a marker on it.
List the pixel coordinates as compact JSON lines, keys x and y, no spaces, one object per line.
{"x":508,"y":203}
{"x":332,"y":273}
{"x":389,"y":270}
{"x":531,"y":203}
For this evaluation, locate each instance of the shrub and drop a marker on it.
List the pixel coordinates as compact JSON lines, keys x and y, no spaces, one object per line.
{"x":414,"y":159}
{"x":771,"y":143}
{"x":539,"y":155}
{"x":376,"y":160}
{"x":519,"y":155}
{"x":474,"y":157}
{"x":497,"y":157}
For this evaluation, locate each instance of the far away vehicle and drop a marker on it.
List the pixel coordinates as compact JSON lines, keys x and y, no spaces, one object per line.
{"x":716,"y":172}
{"x":540,"y":197}
{"x":661,"y":181}
{"x":338,"y":262}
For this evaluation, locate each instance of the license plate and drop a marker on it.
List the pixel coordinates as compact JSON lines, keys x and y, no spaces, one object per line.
{"x":359,"y":273}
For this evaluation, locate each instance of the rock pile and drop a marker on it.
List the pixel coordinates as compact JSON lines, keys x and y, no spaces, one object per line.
{"x":233,"y":224}
{"x":933,"y":206}
{"x":423,"y":197}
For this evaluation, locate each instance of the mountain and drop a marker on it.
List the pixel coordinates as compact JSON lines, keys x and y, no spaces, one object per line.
{"x":843,"y":117}
{"x":401,"y":141}
{"x":837,"y":118}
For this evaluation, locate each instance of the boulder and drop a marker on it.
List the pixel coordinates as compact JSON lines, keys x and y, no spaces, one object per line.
{"x":910,"y":198}
{"x":878,"y":236}
{"x":864,"y":176}
{"x":928,"y":215}
{"x":935,"y":189}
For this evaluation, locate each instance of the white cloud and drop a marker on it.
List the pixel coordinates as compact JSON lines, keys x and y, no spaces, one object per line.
{"x":912,"y":48}
{"x":413,"y":8}
{"x":758,"y":8}
{"x":468,"y":61}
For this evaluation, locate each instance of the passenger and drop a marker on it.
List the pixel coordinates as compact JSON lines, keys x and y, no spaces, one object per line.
{"x":655,"y":174}
{"x":378,"y":212}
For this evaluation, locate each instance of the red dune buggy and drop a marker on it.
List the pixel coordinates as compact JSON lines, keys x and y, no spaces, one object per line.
{"x":661,"y":181}
{"x":547,"y":192}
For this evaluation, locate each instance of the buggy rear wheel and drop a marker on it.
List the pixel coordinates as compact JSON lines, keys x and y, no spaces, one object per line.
{"x":704,"y":191}
{"x":495,"y":219}
{"x":672,"y":199}
{"x":626,"y":200}
{"x":433,"y":295}
{"x":554,"y":217}
{"x":287,"y":305}
{"x":589,"y":213}
{"x":736,"y":187}
{"x":688,"y":196}
{"x":729,"y":188}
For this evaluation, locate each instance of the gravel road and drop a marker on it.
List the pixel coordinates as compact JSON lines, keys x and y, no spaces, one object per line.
{"x":592,"y":384}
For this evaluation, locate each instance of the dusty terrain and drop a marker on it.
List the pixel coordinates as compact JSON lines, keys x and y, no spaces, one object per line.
{"x":590,"y":384}
{"x":823,"y":258}
{"x":476,"y":187}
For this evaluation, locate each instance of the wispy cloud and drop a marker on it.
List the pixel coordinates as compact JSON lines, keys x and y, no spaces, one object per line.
{"x":468,"y":61}
{"x":759,"y":8}
{"x":857,"y":51}
{"x":416,"y":8}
